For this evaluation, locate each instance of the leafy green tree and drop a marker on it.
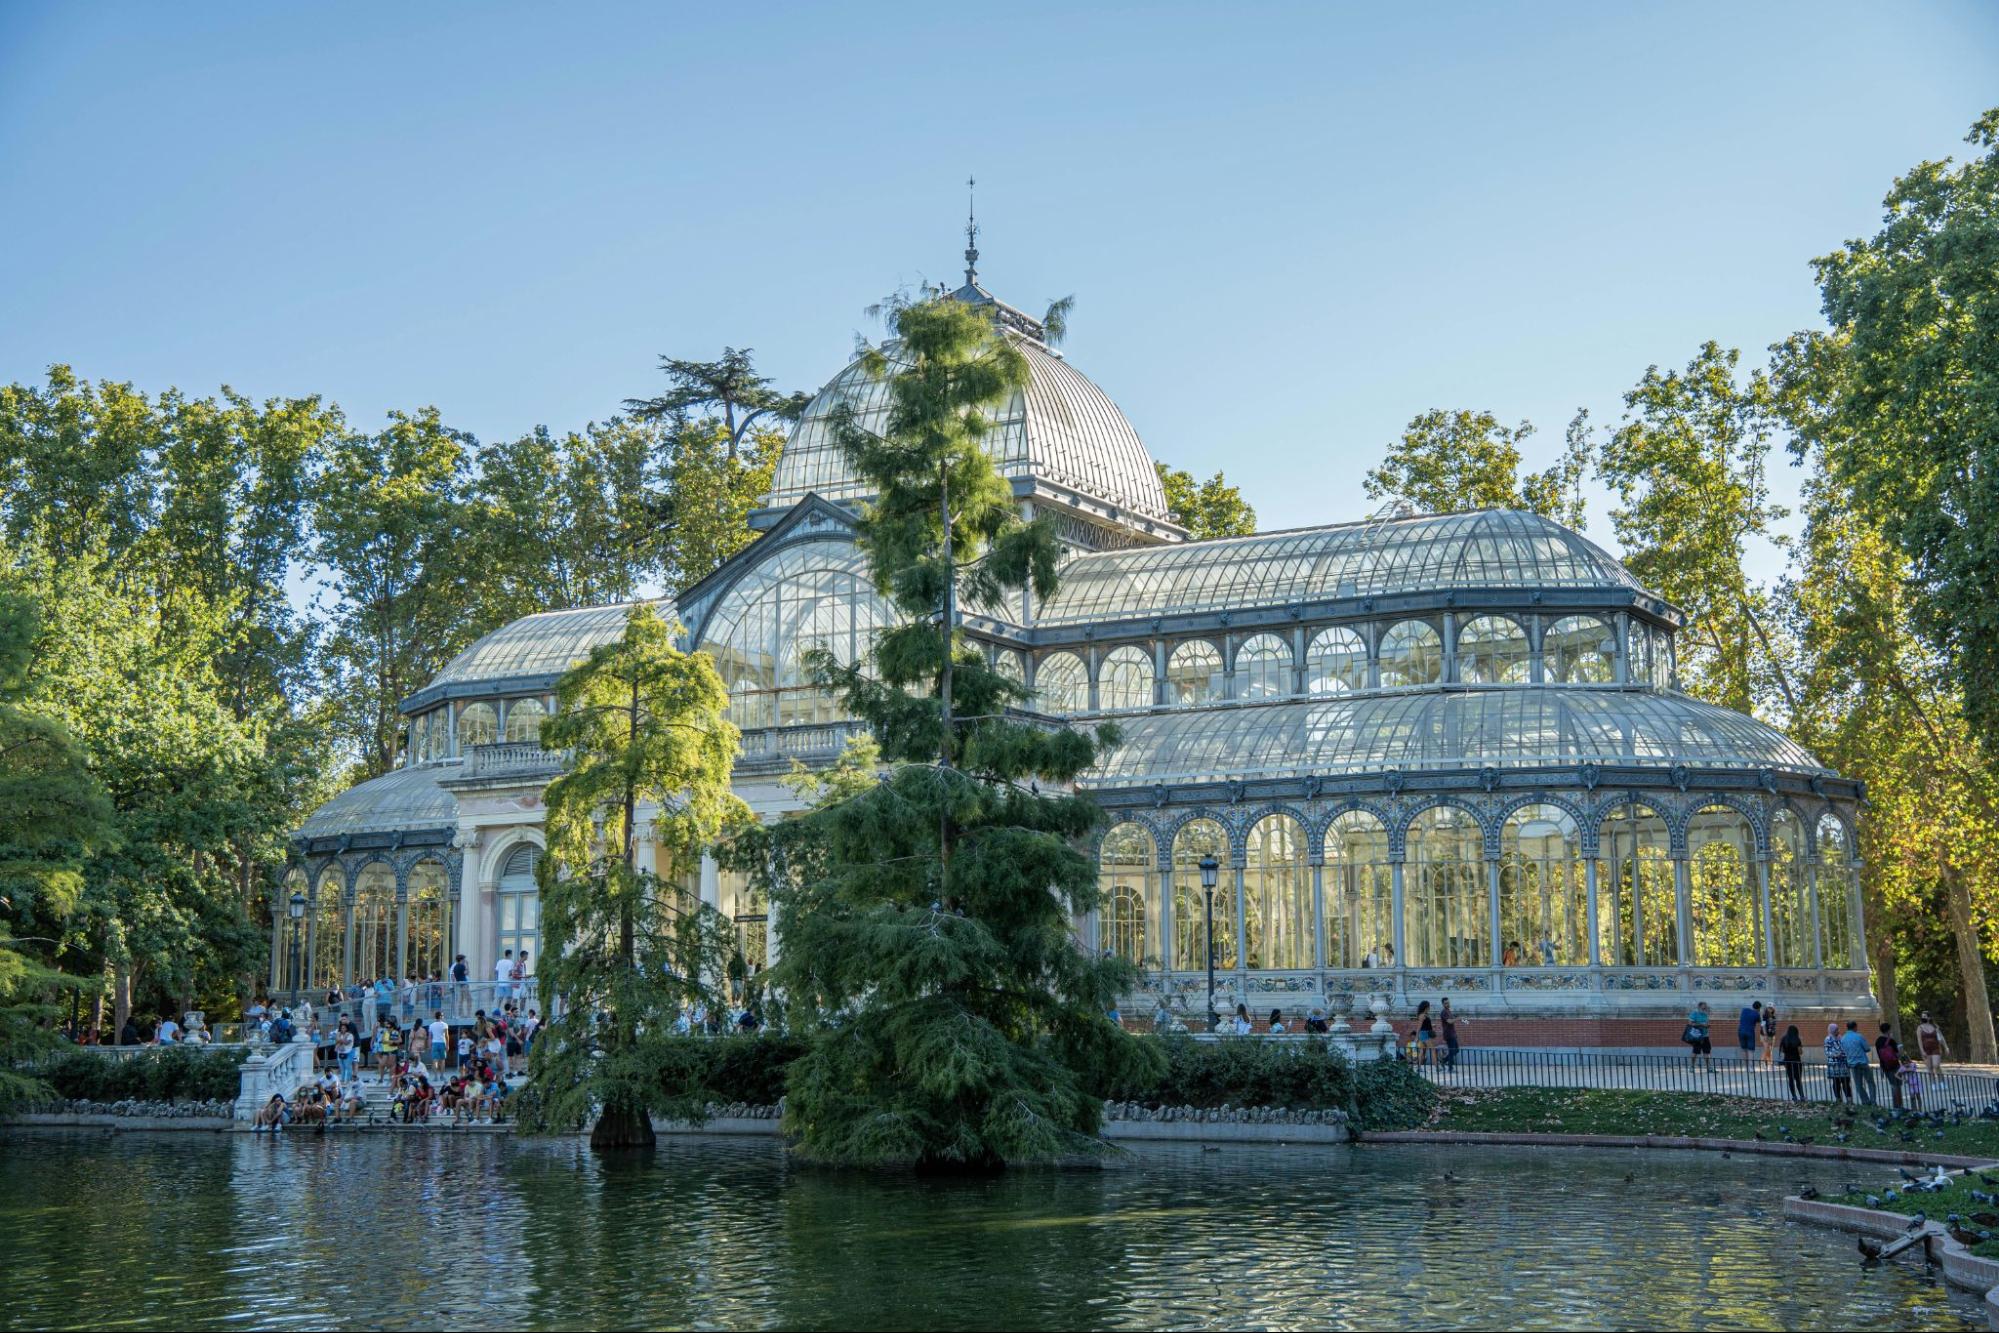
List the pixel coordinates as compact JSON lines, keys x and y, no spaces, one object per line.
{"x":951,"y":1019}
{"x":74,"y":465}
{"x":53,"y":817}
{"x":729,"y":387}
{"x":391,"y":532}
{"x":645,"y":726}
{"x":558,"y":522}
{"x":1210,"y":508}
{"x":1448,"y":461}
{"x":1919,"y":437}
{"x":1688,"y":467}
{"x":713,"y":481}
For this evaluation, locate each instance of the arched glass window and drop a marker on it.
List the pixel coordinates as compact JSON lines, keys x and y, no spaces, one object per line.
{"x":1493,"y":650}
{"x":1198,"y":838}
{"x":1543,"y":890}
{"x":1637,"y":901}
{"x":1721,"y":889}
{"x":813,"y":595}
{"x":375,"y":923}
{"x":1124,"y":879}
{"x":1124,"y":680}
{"x":1062,"y":683}
{"x":1790,"y":892}
{"x":1446,"y":916}
{"x":1277,"y":895}
{"x":1194,"y":673}
{"x":437,"y":735}
{"x":1359,"y":886}
{"x":430,"y":919}
{"x":1335,"y":661}
{"x":1263,"y":668}
{"x":327,"y":925}
{"x":1579,"y":650}
{"x":1837,"y":879}
{"x":292,"y":959}
{"x":478,"y":724}
{"x":520,"y":904}
{"x":524,"y":719}
{"x":1008,"y":663}
{"x":1662,"y":659}
{"x":1412,"y":653}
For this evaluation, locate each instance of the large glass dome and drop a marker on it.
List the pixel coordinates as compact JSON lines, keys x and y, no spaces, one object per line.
{"x":1062,"y":429}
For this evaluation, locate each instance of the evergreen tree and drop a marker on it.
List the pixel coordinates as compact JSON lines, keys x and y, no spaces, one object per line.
{"x":626,"y":945}
{"x":928,"y":958}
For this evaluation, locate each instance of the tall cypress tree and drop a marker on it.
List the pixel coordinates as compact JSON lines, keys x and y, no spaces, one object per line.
{"x":953,"y":1020}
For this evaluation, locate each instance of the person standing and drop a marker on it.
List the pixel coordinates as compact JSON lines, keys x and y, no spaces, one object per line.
{"x":1449,"y":1020}
{"x":461,"y":980}
{"x":1792,"y":1047}
{"x":1697,"y":1038}
{"x":1854,"y":1047}
{"x":1934,"y":1047}
{"x":343,"y":1051}
{"x":439,"y":1032}
{"x":503,"y":979}
{"x":1769,"y":1033}
{"x":1747,"y":1024}
{"x":1888,"y":1054}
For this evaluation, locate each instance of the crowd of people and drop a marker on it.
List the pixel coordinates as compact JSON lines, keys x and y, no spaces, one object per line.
{"x":1851,"y":1056}
{"x":432,"y":1069}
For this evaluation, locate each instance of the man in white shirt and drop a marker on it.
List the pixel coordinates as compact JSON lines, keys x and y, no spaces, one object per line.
{"x":440,"y":1036}
{"x":503,"y":976}
{"x":167,"y":1032}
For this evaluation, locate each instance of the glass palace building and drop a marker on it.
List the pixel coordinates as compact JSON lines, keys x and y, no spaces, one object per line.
{"x":1430,"y":754}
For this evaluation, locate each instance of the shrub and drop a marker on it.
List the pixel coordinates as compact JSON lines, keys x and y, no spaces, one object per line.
{"x":1308,"y":1075}
{"x":166,"y":1075}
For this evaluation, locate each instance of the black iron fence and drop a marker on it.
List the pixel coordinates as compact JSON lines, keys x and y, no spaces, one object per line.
{"x":1912,"y":1087}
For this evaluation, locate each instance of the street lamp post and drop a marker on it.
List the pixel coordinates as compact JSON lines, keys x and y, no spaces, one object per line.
{"x":1210,"y":871}
{"x":297,"y":908}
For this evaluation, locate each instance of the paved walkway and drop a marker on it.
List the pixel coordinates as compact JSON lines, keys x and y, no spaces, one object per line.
{"x":1973,"y":1086}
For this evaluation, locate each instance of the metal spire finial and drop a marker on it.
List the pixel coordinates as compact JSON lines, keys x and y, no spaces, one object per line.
{"x":971,"y":231}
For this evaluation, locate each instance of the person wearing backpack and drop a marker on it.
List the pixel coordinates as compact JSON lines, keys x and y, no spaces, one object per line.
{"x":1888,"y":1054}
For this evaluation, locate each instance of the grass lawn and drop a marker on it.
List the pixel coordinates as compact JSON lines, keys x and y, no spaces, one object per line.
{"x":1590,"y":1111}
{"x":1938,"y":1206}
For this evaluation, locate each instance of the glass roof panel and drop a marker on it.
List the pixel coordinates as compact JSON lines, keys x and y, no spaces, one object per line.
{"x":1457,"y":729}
{"x":1488,"y":549}
{"x":402,"y":798}
{"x":548,"y":643}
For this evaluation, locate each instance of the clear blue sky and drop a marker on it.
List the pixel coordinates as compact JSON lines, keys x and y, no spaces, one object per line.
{"x":1288,"y":229}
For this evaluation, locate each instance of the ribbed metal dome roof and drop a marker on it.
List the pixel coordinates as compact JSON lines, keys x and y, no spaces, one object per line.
{"x":402,"y":798}
{"x":1485,"y":548}
{"x":1444,"y":730}
{"x":1062,"y":429}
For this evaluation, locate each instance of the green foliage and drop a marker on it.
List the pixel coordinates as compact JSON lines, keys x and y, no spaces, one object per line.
{"x":625,"y":944}
{"x":927,"y":958}
{"x":169,"y":1074}
{"x":713,"y":482}
{"x":1308,"y":1075}
{"x":1914,"y":432}
{"x":1457,"y":460}
{"x":1210,"y":508}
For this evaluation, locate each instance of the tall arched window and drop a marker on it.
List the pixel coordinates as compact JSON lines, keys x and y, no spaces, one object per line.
{"x":1263,"y":668}
{"x":1638,"y":903}
{"x":1335,"y":661}
{"x":813,"y":595}
{"x":1579,"y":650}
{"x":1721,"y":889}
{"x":1193,"y":673}
{"x":478,"y":724}
{"x":328,"y":924}
{"x":292,"y":960}
{"x":1790,"y":892}
{"x":1446,"y":918}
{"x":1412,"y":653}
{"x":1493,"y":650}
{"x":520,"y":904}
{"x":1124,"y":879}
{"x":1062,"y":683}
{"x":1543,"y":890}
{"x":437,"y":735}
{"x":1196,"y":839}
{"x":1838,"y":884}
{"x":1359,"y":886}
{"x":524,"y":719}
{"x":1124,"y":680}
{"x":375,"y":923}
{"x":1009,"y":663}
{"x":1277,"y":895}
{"x":430,"y":920}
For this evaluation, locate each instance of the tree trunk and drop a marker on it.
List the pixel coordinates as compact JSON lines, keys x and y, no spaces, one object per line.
{"x":621,"y":1128}
{"x":1984,"y":1047}
{"x":1884,"y":978}
{"x":121,"y":996}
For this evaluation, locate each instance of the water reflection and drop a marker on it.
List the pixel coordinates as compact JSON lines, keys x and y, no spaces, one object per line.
{"x":173,"y":1231}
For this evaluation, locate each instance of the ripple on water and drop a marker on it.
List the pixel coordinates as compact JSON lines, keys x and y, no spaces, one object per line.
{"x":399,"y":1232}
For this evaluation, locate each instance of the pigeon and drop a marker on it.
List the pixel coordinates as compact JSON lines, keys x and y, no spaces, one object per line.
{"x":1873,"y":1201}
{"x":1916,"y":1223}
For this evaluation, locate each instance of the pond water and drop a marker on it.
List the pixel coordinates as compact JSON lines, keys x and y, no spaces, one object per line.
{"x":446,"y":1233}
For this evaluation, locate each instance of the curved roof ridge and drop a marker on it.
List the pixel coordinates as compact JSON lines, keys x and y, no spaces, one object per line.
{"x":541,"y":643}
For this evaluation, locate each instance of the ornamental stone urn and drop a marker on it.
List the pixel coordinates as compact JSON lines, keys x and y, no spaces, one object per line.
{"x":1378,"y":1003}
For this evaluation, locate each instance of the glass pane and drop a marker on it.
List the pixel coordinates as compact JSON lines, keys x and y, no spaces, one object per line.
{"x":1336,"y":661}
{"x":1493,"y":650}
{"x":1124,"y":680}
{"x":1412,"y":653}
{"x":1194,"y":673}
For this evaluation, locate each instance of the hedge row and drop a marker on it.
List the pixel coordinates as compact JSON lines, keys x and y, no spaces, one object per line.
{"x":1309,"y":1075}
{"x":164,"y":1075}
